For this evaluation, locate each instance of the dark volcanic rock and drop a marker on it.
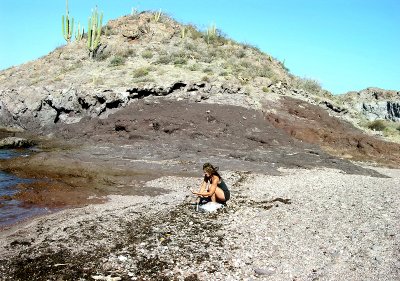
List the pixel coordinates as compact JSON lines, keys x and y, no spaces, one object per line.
{"x":375,"y":103}
{"x":236,"y":137}
{"x":14,"y":142}
{"x":34,"y":108}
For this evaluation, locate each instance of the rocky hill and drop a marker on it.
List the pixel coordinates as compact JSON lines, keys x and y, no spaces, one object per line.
{"x":138,"y":57}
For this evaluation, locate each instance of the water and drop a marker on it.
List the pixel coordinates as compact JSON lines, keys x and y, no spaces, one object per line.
{"x":7,"y":154}
{"x":11,"y":211}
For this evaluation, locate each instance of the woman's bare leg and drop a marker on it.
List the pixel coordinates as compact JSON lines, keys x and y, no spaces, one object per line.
{"x":218,"y":195}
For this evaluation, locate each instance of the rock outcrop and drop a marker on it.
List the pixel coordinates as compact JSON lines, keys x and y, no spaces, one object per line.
{"x":14,"y":142}
{"x":375,"y":103}
{"x":37,"y":107}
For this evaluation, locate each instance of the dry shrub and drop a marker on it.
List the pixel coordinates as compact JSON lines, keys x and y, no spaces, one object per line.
{"x":140,"y":72}
{"x":309,"y":85}
{"x":377,"y":125}
{"x":117,"y":60}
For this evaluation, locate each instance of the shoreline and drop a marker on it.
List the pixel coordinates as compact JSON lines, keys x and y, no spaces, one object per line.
{"x":294,"y":225}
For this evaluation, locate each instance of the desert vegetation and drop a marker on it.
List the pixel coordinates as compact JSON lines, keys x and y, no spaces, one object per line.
{"x":208,"y":52}
{"x":377,"y":125}
{"x":94,"y":30}
{"x":117,"y":60}
{"x":386,"y":128}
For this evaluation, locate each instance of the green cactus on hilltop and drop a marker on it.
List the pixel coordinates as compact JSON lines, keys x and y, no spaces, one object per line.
{"x":157,"y":16}
{"x":211,"y":33}
{"x":67,"y":25}
{"x":79,"y":32}
{"x":183,"y":32}
{"x":94,"y":32}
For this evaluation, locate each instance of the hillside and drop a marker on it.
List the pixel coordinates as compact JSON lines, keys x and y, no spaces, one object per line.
{"x":133,"y":126}
{"x":140,"y":57}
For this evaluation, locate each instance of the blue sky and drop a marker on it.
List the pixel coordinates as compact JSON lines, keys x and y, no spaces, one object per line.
{"x":344,"y":44}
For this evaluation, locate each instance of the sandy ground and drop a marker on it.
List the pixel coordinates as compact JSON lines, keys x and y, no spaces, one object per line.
{"x":317,"y":224}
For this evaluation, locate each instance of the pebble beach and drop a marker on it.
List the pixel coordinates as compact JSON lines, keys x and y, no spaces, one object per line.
{"x":317,"y":224}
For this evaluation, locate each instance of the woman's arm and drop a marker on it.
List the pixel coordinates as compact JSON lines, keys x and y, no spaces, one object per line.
{"x":203,"y":188}
{"x":211,"y":189}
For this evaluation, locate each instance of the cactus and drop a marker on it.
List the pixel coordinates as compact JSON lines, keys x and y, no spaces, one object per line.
{"x":134,"y":12}
{"x":94,"y":32}
{"x":79,"y":32}
{"x":211,"y":33}
{"x":67,"y":25}
{"x":157,"y":16}
{"x":183,"y":32}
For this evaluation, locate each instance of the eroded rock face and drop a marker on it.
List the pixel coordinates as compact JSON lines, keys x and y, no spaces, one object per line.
{"x":375,"y":103}
{"x":37,"y":107}
{"x":389,"y":110}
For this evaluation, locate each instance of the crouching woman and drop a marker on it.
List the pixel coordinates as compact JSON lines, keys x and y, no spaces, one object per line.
{"x":213,"y":187}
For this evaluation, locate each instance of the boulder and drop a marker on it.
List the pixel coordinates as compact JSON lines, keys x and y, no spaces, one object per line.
{"x":14,"y":142}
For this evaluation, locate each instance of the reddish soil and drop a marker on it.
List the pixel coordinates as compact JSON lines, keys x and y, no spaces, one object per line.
{"x":55,"y":195}
{"x":314,"y":125}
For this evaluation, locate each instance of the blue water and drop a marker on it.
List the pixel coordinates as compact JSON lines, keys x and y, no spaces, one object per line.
{"x":7,"y":153}
{"x":12,"y":211}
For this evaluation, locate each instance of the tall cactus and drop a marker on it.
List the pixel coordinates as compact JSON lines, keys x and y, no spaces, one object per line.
{"x":79,"y":32}
{"x":67,"y":25}
{"x":94,"y":32}
{"x":183,"y":32}
{"x":211,"y":33}
{"x":157,"y":16}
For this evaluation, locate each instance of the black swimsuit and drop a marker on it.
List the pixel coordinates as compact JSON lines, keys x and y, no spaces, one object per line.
{"x":221,"y":185}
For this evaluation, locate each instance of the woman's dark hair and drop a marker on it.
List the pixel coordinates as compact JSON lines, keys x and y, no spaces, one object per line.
{"x":207,"y":167}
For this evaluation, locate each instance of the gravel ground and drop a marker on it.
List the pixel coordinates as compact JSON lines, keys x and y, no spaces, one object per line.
{"x":319,"y":224}
{"x":333,"y":226}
